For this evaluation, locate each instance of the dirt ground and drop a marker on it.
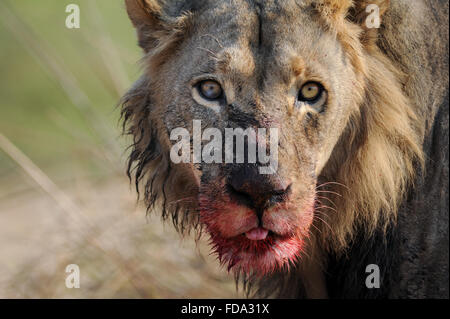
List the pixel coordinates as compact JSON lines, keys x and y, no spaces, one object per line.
{"x":121,"y":253}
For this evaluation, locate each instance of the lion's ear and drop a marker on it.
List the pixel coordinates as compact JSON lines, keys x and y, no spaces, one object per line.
{"x":368,"y":14}
{"x":157,"y":21}
{"x":332,"y":11}
{"x":146,"y":16}
{"x":365,"y":11}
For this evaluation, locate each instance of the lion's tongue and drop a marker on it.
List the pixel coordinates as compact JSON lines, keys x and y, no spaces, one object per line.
{"x":257,"y":233}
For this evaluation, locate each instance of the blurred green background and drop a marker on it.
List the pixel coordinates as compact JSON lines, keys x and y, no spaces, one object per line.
{"x":64,"y":197}
{"x":59,"y":86}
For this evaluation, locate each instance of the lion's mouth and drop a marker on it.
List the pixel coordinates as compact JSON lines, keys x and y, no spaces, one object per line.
{"x":260,"y":237}
{"x":257,"y":233}
{"x":259,"y":250}
{"x":252,"y":238}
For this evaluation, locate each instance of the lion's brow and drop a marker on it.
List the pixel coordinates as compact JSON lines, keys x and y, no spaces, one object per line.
{"x":216,"y":61}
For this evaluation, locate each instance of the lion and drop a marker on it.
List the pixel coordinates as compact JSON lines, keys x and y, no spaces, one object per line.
{"x":362,"y":154}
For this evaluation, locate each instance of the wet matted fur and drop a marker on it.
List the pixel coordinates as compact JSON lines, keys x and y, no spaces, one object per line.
{"x":368,"y":173}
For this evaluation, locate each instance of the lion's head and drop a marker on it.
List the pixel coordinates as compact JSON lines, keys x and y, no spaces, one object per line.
{"x":346,"y":145}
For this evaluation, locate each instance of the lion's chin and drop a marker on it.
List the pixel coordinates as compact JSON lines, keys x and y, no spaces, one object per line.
{"x":241,"y":254}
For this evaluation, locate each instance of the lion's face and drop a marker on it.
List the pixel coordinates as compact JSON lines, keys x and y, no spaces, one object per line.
{"x":309,"y":76}
{"x":279,"y":69}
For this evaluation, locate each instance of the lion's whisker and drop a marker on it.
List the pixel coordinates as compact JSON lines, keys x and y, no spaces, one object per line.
{"x":214,"y":38}
{"x":333,"y":183}
{"x":331,"y":192}
{"x":323,"y":221}
{"x":329,"y":200}
{"x":324,"y":206}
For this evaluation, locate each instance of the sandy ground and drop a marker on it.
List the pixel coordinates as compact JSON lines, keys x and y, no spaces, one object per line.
{"x":120,"y":252}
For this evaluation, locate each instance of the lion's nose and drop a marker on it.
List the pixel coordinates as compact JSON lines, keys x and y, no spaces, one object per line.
{"x":259,"y":191}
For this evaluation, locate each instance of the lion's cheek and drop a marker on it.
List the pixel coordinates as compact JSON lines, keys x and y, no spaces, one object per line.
{"x":225,"y":218}
{"x":235,"y":220}
{"x":290,"y":219}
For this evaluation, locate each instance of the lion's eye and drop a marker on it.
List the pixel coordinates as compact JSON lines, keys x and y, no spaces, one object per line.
{"x":311,"y":92}
{"x":210,"y":90}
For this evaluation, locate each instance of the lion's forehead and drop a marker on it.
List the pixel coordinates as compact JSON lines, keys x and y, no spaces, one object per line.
{"x":244,"y":20}
{"x":244,"y":38}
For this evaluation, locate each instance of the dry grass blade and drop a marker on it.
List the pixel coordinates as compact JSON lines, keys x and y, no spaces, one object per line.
{"x":104,"y":44}
{"x":64,"y":201}
{"x":55,"y":67}
{"x":88,"y":232}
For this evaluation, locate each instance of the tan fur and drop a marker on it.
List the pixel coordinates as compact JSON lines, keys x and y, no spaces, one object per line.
{"x":372,"y":149}
{"x":375,"y":178}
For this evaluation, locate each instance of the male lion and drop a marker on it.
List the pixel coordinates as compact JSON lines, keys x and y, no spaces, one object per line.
{"x":362,"y":116}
